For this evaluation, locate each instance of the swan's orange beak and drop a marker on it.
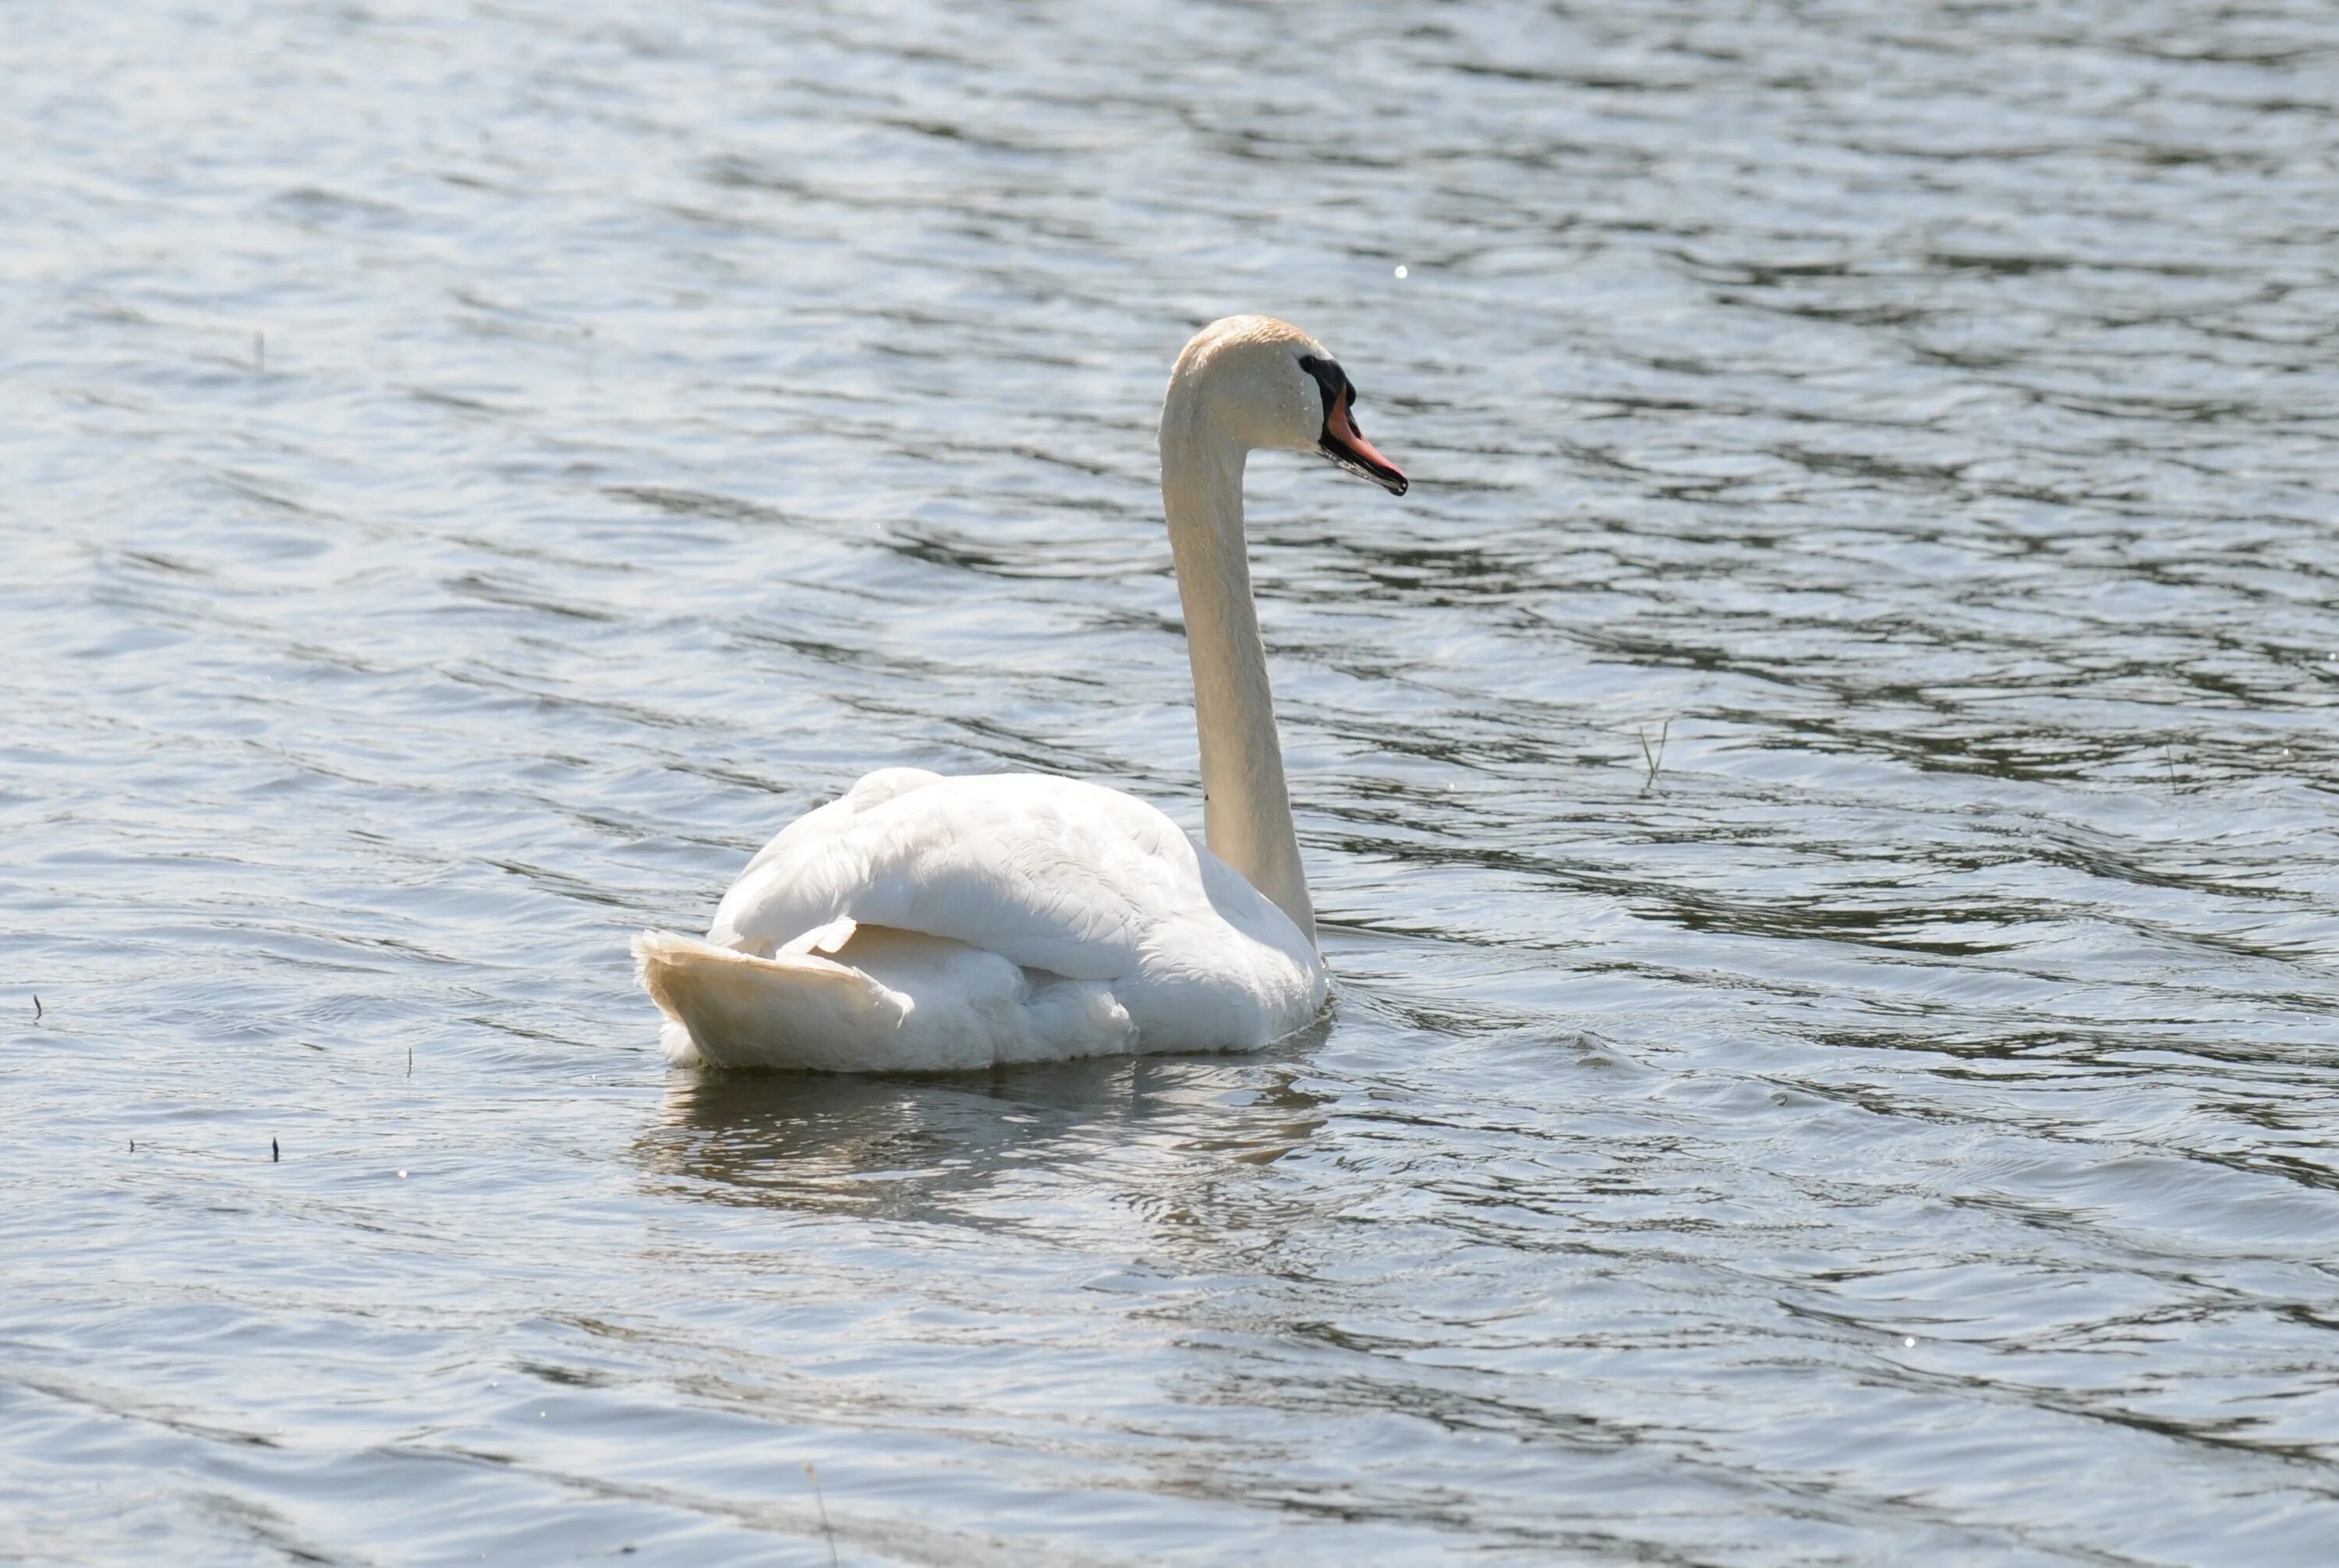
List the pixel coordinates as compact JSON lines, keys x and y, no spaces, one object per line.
{"x":1345,"y":445}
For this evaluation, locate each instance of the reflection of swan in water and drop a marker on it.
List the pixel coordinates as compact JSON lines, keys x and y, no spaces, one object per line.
{"x":901,"y":1146}
{"x":925,"y":923}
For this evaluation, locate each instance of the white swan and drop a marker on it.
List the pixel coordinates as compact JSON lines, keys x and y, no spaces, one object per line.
{"x":925,"y":923}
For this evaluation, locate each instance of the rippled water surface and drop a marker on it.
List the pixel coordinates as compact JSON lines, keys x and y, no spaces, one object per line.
{"x":1824,"y":799}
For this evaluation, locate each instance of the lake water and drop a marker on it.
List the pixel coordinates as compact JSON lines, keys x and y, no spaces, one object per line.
{"x":1824,"y":800}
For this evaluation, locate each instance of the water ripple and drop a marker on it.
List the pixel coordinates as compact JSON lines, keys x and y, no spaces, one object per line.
{"x":1820,"y":800}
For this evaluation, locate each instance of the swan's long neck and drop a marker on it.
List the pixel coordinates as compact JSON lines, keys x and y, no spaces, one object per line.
{"x":1246,"y":809}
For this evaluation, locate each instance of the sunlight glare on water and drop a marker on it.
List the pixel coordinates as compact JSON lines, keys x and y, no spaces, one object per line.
{"x":1820,"y":800}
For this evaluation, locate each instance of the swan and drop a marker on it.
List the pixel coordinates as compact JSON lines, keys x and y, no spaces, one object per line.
{"x":923,"y":923}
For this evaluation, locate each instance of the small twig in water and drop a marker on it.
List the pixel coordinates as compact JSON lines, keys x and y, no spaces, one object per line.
{"x":1655,"y":759}
{"x":36,"y":1007}
{"x":822,"y":1503}
{"x":275,"y":1153}
{"x":409,"y":1061}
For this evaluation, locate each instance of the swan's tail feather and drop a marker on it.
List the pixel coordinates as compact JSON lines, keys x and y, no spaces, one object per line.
{"x":790,"y":1011}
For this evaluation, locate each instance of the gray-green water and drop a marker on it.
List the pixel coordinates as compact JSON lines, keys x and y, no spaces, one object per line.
{"x":474,"y":471}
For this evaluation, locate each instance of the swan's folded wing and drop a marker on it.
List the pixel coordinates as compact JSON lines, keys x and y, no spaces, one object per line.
{"x":1051,"y":874}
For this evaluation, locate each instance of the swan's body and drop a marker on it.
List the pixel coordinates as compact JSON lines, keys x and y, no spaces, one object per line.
{"x":951,"y":922}
{"x":926,"y":923}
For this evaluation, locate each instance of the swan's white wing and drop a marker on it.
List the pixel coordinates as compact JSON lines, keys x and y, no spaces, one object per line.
{"x":1052,"y":874}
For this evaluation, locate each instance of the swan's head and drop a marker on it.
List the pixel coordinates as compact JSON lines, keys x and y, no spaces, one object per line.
{"x":1264,"y":383}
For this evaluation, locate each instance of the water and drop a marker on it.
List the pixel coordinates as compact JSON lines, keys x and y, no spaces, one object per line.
{"x":1823,"y":799}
